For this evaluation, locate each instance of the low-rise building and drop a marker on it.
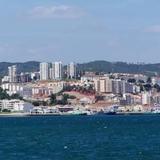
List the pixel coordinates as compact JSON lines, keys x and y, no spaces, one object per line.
{"x":146,"y":98}
{"x":87,"y":100}
{"x":47,"y":88}
{"x":24,"y":90}
{"x":15,"y":106}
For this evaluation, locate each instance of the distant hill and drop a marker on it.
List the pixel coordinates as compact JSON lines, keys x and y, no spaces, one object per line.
{"x":21,"y":67}
{"x":120,"y":67}
{"x":95,"y":66}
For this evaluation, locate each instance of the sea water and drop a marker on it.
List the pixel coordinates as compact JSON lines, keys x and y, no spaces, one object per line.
{"x":80,"y":138}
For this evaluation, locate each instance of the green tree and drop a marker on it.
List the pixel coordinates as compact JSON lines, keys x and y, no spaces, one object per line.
{"x":53,"y":100}
{"x":157,"y":87}
{"x":36,"y":103}
{"x":6,"y":110}
{"x":141,"y":81}
{"x":3,"y":94}
{"x":16,"y":96}
{"x":131,"y":80}
{"x":65,"y":99}
{"x":147,"y":87}
{"x":149,"y":80}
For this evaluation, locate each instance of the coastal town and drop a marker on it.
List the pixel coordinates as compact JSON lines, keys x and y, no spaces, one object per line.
{"x":59,"y":90}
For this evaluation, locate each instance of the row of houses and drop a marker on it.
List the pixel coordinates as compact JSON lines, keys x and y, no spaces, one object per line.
{"x":29,"y":90}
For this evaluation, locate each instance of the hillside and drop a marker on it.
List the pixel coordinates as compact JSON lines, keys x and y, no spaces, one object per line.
{"x":95,"y":66}
{"x":22,"y":67}
{"x":120,"y":67}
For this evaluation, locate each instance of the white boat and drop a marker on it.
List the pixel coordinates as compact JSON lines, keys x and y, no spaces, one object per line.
{"x":156,"y":111}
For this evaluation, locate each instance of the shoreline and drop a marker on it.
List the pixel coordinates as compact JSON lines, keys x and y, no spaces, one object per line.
{"x":61,"y":115}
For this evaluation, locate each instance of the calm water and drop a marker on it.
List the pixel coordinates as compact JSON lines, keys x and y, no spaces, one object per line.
{"x":80,"y":138}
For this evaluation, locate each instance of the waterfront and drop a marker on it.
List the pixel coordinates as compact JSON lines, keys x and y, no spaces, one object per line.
{"x":80,"y":137}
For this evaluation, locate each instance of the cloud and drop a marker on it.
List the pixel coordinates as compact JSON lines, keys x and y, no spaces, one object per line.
{"x":153,"y":29}
{"x":61,"y":11}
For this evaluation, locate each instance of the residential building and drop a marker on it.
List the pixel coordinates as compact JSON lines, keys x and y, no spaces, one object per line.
{"x":35,"y":75}
{"x":45,"y":89}
{"x":146,"y":98}
{"x":103,"y":85}
{"x":16,"y":88}
{"x":44,"y":71}
{"x":15,"y":105}
{"x":12,"y":74}
{"x":117,"y":86}
{"x":24,"y":78}
{"x":57,"y":69}
{"x":5,"y":79}
{"x":51,"y":73}
{"x":71,"y":70}
{"x":108,"y":85}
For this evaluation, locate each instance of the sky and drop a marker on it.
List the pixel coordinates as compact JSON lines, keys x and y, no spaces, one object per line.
{"x":80,"y":30}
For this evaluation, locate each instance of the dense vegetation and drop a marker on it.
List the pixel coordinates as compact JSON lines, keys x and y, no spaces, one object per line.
{"x":5,"y":95}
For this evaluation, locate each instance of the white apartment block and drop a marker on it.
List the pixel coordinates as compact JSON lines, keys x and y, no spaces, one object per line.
{"x":12,"y":74}
{"x":57,"y":70}
{"x":15,"y":105}
{"x":71,"y":70}
{"x":16,"y":88}
{"x":44,"y":71}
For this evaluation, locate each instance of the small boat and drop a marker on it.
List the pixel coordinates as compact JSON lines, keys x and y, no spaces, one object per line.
{"x":110,"y":113}
{"x":156,"y":111}
{"x":107,"y":112}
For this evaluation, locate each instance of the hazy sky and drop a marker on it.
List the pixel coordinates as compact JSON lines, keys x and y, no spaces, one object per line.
{"x":80,"y":30}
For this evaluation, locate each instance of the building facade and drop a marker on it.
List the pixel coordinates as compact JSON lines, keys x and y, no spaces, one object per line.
{"x":57,"y":70}
{"x":44,"y":71}
{"x":12,"y":74}
{"x":71,"y":70}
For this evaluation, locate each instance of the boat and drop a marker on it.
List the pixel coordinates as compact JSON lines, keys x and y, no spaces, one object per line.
{"x":76,"y":112}
{"x":107,"y":112}
{"x":156,"y":111}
